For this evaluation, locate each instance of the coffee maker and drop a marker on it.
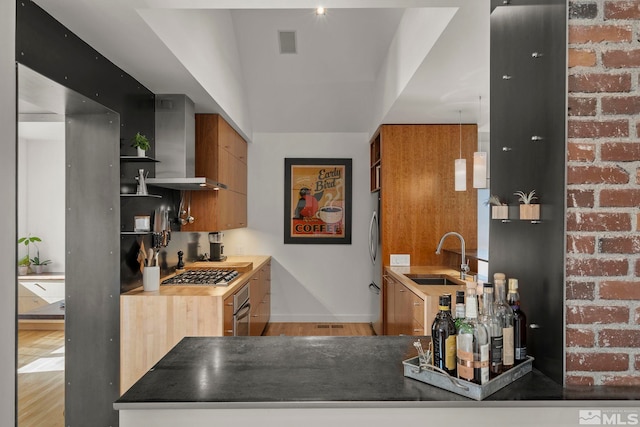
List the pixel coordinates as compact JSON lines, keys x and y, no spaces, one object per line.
{"x":216,"y":246}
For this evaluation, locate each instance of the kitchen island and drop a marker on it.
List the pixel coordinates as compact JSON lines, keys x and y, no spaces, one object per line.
{"x":329,"y":380}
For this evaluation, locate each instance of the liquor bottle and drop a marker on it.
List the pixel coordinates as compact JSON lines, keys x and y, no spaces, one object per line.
{"x":479,"y":296}
{"x":504,"y":314}
{"x":473,"y":344}
{"x":491,"y":322}
{"x":443,"y":337}
{"x":519,"y":323}
{"x":459,"y":317}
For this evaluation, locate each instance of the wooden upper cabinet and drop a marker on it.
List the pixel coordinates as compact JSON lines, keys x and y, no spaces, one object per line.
{"x":221,"y":154}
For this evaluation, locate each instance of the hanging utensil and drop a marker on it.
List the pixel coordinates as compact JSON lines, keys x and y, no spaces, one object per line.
{"x":190,"y":219}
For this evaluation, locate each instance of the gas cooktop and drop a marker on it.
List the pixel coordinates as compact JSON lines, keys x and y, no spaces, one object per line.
{"x":203,"y":277}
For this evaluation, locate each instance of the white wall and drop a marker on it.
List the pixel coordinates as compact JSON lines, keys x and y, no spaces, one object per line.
{"x":8,"y":256}
{"x":310,"y":283}
{"x":41,"y":193}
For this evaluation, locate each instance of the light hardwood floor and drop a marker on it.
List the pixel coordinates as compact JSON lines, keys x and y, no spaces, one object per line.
{"x":41,"y":393}
{"x":336,"y":329}
{"x":40,"y":378}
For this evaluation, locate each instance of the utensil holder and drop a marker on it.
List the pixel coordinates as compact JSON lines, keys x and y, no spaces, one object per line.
{"x":151,"y":279}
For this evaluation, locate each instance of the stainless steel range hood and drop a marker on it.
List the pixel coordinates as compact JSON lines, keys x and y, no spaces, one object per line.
{"x":176,"y":146}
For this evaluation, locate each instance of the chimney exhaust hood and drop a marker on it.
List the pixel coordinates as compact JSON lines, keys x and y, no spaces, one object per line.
{"x":176,"y":146}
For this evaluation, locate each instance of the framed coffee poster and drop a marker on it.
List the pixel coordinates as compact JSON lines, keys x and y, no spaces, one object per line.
{"x":317,"y":202}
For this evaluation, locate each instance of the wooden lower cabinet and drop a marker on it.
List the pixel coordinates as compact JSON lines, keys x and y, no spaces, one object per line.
{"x":260,"y":297}
{"x":405,"y":310}
{"x":150,"y":325}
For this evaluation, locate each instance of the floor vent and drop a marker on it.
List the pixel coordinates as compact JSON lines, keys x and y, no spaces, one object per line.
{"x":337,"y":326}
{"x":322,"y":326}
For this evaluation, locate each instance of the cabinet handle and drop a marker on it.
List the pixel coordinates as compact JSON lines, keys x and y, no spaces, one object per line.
{"x":401,"y":290}
{"x":536,"y":55}
{"x":40,"y":286}
{"x":506,"y":77}
{"x":536,"y":138}
{"x":418,"y":330}
{"x":255,"y":315}
{"x":230,"y":304}
{"x":229,"y":331}
{"x":417,"y":304}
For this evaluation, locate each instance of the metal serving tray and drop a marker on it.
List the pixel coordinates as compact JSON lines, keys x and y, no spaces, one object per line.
{"x":426,"y":374}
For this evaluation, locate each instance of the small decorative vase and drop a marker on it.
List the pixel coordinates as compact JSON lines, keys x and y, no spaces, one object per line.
{"x":500,"y":212}
{"x":530,"y":212}
{"x":38,"y":269}
{"x":23,"y":270}
{"x":141,"y":152}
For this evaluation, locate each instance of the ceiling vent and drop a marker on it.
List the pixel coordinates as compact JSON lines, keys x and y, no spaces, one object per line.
{"x":287,"y":41}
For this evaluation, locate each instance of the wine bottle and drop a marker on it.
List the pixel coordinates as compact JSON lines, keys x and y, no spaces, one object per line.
{"x":443,"y":337}
{"x":459,"y":317}
{"x":490,"y":321}
{"x":519,"y":323}
{"x":504,"y":314}
{"x":473,"y":344}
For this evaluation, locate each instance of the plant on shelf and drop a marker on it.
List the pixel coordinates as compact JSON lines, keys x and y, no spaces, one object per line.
{"x":141,"y":142}
{"x":528,"y":210}
{"x":499,"y":208}
{"x":38,"y":264}
{"x":25,"y":262}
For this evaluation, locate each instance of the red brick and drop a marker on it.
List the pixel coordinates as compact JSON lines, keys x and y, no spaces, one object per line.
{"x":573,"y":380}
{"x":621,"y":58}
{"x":596,"y":175}
{"x":620,"y":151}
{"x":616,"y":105}
{"x":620,"y":290}
{"x":620,"y":245}
{"x":594,"y":314}
{"x":637,"y":175}
{"x":598,"y":128}
{"x":581,"y":152}
{"x":581,"y":106}
{"x":597,"y":362}
{"x":599,"y":82}
{"x":599,"y":34}
{"x":581,"y":244}
{"x":636,"y":315}
{"x":620,"y":380}
{"x":580,"y":290}
{"x":582,"y":58}
{"x":580,"y":198}
{"x":598,"y":221}
{"x":597,"y":267}
{"x":619,"y":338}
{"x":580,"y":337}
{"x":622,"y":10}
{"x":629,"y":197}
{"x":636,"y":362}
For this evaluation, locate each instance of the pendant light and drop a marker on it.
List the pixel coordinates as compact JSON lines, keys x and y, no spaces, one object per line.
{"x":479,"y":160}
{"x":460,"y":166}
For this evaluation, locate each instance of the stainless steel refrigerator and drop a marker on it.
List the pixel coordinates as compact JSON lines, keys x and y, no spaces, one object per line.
{"x":375,"y":253}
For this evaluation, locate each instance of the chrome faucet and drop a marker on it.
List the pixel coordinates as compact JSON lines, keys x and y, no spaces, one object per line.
{"x":464,"y":267}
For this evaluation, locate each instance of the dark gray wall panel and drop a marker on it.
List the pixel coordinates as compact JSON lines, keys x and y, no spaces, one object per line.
{"x":531,"y":103}
{"x":92,"y":279}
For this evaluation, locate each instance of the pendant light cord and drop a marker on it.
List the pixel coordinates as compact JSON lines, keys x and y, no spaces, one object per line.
{"x":460,"y":113}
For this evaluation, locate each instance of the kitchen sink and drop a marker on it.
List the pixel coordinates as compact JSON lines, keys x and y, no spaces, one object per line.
{"x":431,"y":280}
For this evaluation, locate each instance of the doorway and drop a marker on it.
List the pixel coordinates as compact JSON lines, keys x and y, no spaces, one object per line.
{"x":67,"y":209}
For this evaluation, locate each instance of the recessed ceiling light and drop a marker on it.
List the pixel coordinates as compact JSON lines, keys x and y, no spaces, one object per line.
{"x":321,"y":11}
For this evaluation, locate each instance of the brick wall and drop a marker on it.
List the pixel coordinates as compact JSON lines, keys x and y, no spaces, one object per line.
{"x":603,"y":192}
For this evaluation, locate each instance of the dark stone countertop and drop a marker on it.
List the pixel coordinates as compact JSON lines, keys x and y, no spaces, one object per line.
{"x":228,"y":372}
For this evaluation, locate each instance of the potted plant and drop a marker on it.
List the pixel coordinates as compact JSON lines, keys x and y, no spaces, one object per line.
{"x":528,"y":210}
{"x":141,"y":142}
{"x":38,"y":264}
{"x":25,"y":262}
{"x":499,"y":208}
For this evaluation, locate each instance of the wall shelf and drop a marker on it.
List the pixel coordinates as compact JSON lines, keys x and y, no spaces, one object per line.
{"x":135,"y":233}
{"x":144,"y":159}
{"x":157,"y":196}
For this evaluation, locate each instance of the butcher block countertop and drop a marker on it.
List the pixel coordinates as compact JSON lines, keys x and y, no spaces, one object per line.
{"x":246,"y":265}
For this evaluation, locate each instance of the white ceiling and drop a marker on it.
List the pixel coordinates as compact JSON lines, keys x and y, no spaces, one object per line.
{"x":328,"y":86}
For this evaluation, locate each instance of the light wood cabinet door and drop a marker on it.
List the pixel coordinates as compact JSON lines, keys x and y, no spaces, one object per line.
{"x":221,"y":154}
